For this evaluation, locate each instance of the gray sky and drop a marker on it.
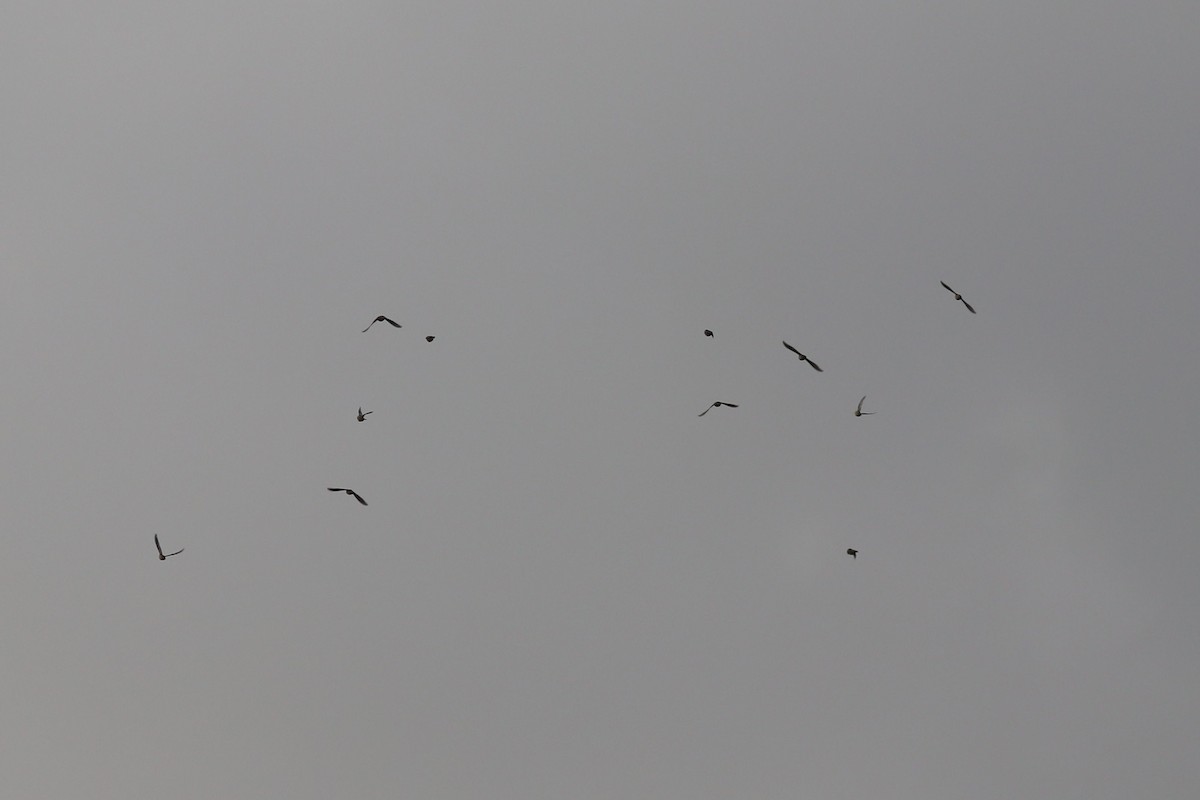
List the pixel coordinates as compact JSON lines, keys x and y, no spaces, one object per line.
{"x":566,"y":584}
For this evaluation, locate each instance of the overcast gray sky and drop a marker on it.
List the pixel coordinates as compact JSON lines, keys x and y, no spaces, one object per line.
{"x":566,"y":584}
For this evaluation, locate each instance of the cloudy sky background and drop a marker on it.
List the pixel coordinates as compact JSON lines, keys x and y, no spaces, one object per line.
{"x":567,"y":585}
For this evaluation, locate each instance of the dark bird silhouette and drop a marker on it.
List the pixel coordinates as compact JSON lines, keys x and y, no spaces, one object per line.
{"x":858,"y":412}
{"x":382,"y":318}
{"x":850,"y":551}
{"x":161,"y":555}
{"x":803,"y":357}
{"x":429,"y":338}
{"x":717,"y":404}
{"x":708,"y":332}
{"x":362,"y":415}
{"x":350,"y":492}
{"x":958,"y":296}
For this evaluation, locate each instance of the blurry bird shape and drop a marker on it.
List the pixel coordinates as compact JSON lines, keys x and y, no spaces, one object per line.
{"x":717,"y":404}
{"x":362,"y":415}
{"x":429,"y":338}
{"x":161,"y":555}
{"x":382,"y":318}
{"x":958,"y":296}
{"x":850,"y":551}
{"x":708,"y":332}
{"x":858,"y":412}
{"x":350,"y":492}
{"x":803,"y":357}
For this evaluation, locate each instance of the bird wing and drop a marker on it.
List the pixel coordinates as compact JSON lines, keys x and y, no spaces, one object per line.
{"x":705,"y":411}
{"x":357,"y":496}
{"x":731,"y":405}
{"x":157,"y":546}
{"x":794,"y":350}
{"x":177,"y":552}
{"x":337,"y":490}
{"x":968,"y":305}
{"x":814,"y":364}
{"x":948,"y":287}
{"x":860,"y":402}
{"x":393,"y":323}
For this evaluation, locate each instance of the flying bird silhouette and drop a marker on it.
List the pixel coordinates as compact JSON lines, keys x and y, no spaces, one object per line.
{"x":350,"y":492}
{"x":708,"y":332}
{"x":164,"y":556}
{"x":850,"y":551}
{"x":382,"y":318}
{"x":858,"y":412}
{"x":958,"y":296}
{"x":717,"y":404}
{"x":362,"y":415}
{"x":429,"y":338}
{"x":803,"y":357}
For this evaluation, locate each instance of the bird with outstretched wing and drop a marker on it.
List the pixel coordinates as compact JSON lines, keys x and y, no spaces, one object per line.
{"x":382,"y":318}
{"x":717,"y":404}
{"x":958,"y":296}
{"x":161,"y":555}
{"x":350,"y":492}
{"x":803,"y":357}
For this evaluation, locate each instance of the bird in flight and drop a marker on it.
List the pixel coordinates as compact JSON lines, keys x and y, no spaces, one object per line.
{"x":850,"y":551}
{"x":161,"y":555}
{"x":429,"y":338}
{"x":858,"y":412}
{"x":350,"y":492}
{"x":708,"y":332}
{"x":382,"y":318}
{"x":803,"y":357}
{"x":362,"y":415}
{"x":717,"y":404}
{"x":958,"y":296}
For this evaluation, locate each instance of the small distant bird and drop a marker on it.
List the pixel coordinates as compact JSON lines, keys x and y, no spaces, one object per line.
{"x":429,"y":338}
{"x":708,"y":332}
{"x":717,"y":404}
{"x":958,"y":296}
{"x":164,"y":556}
{"x":382,"y":318}
{"x":858,"y":412}
{"x":362,"y":415}
{"x":350,"y":492}
{"x":803,"y":357}
{"x":850,"y":551}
